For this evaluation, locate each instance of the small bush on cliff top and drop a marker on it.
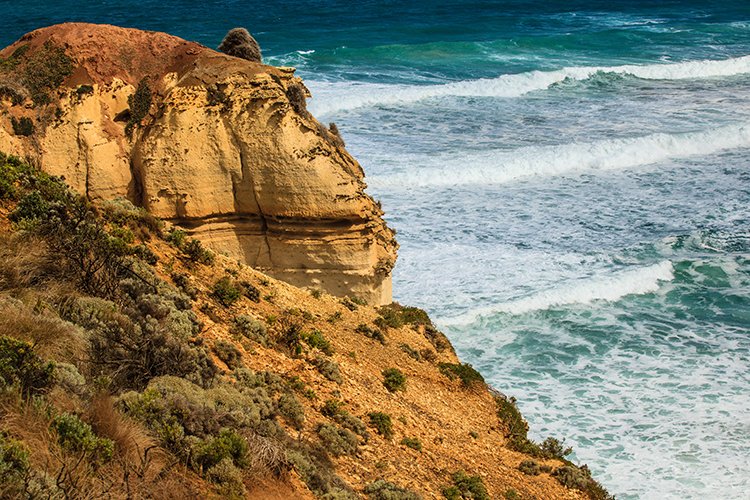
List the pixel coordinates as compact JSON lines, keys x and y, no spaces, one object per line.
{"x":77,"y":436}
{"x":464,"y":371}
{"x":413,"y":443}
{"x":338,"y":441}
{"x":238,"y":42}
{"x":228,"y":353}
{"x":317,"y":340}
{"x":45,"y":70}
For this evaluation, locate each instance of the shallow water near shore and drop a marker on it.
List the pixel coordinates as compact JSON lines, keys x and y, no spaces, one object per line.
{"x":570,"y":182}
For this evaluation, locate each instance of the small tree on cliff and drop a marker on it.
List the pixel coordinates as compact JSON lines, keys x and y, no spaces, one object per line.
{"x":240,"y":43}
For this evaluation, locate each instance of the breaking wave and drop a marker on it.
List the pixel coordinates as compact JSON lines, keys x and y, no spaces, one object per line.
{"x":502,"y":166}
{"x":610,"y":288}
{"x":340,"y":96}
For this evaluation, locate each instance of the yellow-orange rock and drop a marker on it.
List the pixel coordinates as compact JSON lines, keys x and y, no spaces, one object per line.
{"x":227,"y":151}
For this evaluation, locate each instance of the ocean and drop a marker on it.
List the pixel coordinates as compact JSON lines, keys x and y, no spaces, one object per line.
{"x":570,"y":183}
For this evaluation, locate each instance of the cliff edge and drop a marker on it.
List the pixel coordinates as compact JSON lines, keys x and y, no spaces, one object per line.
{"x":218,"y":145}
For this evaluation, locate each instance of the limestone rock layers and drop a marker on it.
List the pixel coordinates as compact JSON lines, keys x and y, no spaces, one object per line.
{"x":227,"y":151}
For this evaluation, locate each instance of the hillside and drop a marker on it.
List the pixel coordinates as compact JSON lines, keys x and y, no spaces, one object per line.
{"x":136,"y":363}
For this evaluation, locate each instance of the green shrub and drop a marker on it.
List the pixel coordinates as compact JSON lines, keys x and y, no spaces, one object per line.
{"x":140,"y":103}
{"x":14,"y":467}
{"x":411,"y":352}
{"x":250,"y":291}
{"x":466,"y":487}
{"x":382,"y":423}
{"x":23,"y":126}
{"x":338,"y":441}
{"x":46,"y":70}
{"x":20,"y":366}
{"x":413,"y":443}
{"x":329,"y":369}
{"x":317,"y":471}
{"x":530,"y":468}
{"x":438,"y":340}
{"x":395,"y":316}
{"x":512,"y":494}
{"x":227,"y":445}
{"x":228,"y":353}
{"x":464,"y":371}
{"x":554,"y":448}
{"x":383,"y":490}
{"x":182,"y":281}
{"x":394,"y":380}
{"x":196,"y":252}
{"x":77,"y":436}
{"x":317,"y":340}
{"x":226,"y":292}
{"x":290,"y":408}
{"x":249,"y":327}
{"x":332,"y":407}
{"x":228,"y":478}
{"x":176,"y":237}
{"x":291,"y":338}
{"x":580,"y":478}
{"x":372,"y":333}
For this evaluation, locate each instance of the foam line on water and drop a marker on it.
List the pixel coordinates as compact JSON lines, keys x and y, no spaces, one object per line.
{"x":637,"y":281}
{"x":333,"y":97}
{"x":502,"y":166}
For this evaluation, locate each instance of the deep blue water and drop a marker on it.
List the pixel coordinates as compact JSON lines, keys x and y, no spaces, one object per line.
{"x":571,"y":186}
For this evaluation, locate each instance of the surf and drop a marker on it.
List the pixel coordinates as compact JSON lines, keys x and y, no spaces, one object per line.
{"x":332,"y":97}
{"x":503,"y":166}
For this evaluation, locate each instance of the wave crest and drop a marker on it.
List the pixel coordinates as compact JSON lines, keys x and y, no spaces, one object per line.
{"x":502,"y":166}
{"x":610,"y":288}
{"x":334,"y":97}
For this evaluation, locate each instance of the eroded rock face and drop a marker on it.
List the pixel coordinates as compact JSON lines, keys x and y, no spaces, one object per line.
{"x":226,"y":150}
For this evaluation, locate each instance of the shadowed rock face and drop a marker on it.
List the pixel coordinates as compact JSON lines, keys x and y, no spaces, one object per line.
{"x":222,"y":152}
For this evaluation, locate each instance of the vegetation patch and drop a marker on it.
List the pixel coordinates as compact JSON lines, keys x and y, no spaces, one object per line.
{"x":463,"y":371}
{"x":413,"y":443}
{"x":394,"y":379}
{"x":466,"y":487}
{"x":317,"y":340}
{"x":140,"y":104}
{"x":22,"y":126}
{"x":371,"y":333}
{"x":382,"y":423}
{"x":384,"y":490}
{"x":338,"y":441}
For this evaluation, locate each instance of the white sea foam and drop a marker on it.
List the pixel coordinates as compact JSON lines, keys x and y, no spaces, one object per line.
{"x":502,"y":166}
{"x":332,"y":97}
{"x":611,"y":287}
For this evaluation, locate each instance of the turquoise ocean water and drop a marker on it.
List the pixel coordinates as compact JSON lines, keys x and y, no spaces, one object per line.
{"x":570,"y":182}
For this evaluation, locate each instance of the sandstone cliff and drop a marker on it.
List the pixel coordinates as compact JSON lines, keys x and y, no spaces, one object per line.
{"x":221,"y":146}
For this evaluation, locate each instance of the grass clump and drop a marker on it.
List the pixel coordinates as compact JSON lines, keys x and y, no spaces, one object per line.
{"x":532,"y":468}
{"x":394,"y":379}
{"x":382,"y":423}
{"x":384,"y":490}
{"x":463,"y":371}
{"x":466,"y":487}
{"x":395,"y":316}
{"x":413,"y":443}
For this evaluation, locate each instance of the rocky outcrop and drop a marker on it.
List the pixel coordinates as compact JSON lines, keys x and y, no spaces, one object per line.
{"x":225,"y":149}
